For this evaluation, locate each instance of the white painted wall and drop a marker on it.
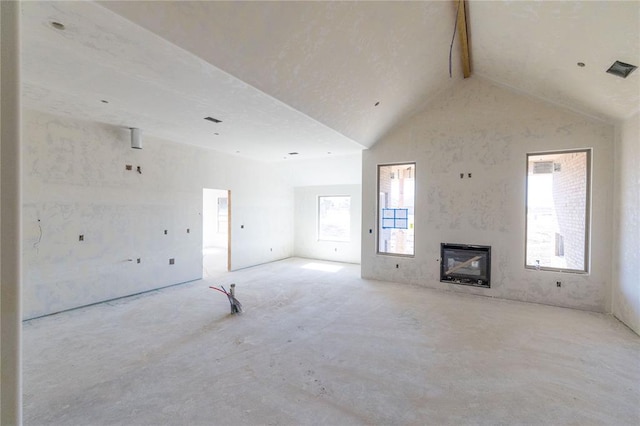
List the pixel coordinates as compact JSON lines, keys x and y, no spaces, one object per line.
{"x":626,"y":249}
{"x":306,"y":224}
{"x":486,"y":130}
{"x":75,"y":183}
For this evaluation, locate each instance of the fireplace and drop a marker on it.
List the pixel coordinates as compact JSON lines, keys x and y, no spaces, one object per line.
{"x":465,"y":264}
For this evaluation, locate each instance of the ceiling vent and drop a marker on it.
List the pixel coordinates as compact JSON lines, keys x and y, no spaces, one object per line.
{"x":213,"y":120}
{"x":621,"y":69}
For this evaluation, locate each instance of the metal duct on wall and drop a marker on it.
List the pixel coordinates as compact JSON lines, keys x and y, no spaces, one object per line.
{"x":136,"y":138}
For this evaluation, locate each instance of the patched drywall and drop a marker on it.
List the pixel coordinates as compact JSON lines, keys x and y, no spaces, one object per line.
{"x":626,"y":263}
{"x":76,"y":183}
{"x":307,"y":243}
{"x":486,"y":130}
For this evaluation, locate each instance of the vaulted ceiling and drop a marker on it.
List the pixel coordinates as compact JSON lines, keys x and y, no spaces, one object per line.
{"x":535,"y":47}
{"x":317,"y":78}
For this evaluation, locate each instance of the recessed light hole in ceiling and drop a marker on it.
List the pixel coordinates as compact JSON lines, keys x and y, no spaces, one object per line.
{"x":293,"y":153}
{"x":57,"y":25}
{"x":581,"y":64}
{"x":104,"y":101}
{"x":377,"y":103}
{"x":213,"y":120}
{"x":621,"y":69}
{"x":216,"y":133}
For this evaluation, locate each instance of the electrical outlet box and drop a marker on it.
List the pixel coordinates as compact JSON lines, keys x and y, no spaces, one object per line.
{"x":558,"y":283}
{"x":81,"y":237}
{"x":172,"y":261}
{"x":138,"y":260}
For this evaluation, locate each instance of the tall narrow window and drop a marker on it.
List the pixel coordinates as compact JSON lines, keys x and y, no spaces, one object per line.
{"x":334,"y":218}
{"x":557,"y":231}
{"x":396,"y":201}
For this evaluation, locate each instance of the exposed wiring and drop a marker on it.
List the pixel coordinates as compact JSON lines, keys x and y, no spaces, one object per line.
{"x":455,"y":28}
{"x":221,"y":291}
{"x":236,"y":306}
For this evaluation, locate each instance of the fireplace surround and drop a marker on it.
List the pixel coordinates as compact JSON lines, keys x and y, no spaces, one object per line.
{"x":465,"y":264}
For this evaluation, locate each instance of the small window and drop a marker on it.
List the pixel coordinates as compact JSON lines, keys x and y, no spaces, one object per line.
{"x":557,"y":230}
{"x":396,"y":189}
{"x":334,"y":218}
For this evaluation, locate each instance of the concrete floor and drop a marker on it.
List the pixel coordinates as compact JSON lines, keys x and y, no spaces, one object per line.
{"x":326,"y":347}
{"x":214,"y":262}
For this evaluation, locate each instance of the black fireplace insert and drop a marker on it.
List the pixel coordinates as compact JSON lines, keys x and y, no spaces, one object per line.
{"x":465,"y":264}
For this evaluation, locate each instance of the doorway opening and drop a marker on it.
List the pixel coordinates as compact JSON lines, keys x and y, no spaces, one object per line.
{"x":216,"y":238}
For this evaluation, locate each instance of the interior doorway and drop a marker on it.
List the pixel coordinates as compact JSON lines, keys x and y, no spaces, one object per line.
{"x":216,"y":218}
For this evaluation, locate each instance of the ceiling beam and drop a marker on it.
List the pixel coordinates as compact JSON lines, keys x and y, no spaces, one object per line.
{"x":464,"y":41}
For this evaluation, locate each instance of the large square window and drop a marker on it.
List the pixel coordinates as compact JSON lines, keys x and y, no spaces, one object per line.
{"x":557,"y":218}
{"x":396,"y":201}
{"x":334,"y":218}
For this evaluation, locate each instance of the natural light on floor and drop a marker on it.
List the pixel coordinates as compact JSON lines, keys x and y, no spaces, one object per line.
{"x":322,"y":267}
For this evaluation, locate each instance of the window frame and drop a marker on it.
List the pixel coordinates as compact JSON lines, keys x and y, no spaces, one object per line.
{"x":319,"y":239}
{"x":379,"y":208}
{"x":587,"y":220}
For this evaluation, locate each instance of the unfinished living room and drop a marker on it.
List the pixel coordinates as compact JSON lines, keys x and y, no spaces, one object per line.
{"x":333,"y":213}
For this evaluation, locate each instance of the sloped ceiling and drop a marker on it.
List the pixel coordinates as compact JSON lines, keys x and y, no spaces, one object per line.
{"x":282,"y":76}
{"x":331,"y":60}
{"x":148,"y":83}
{"x":534,"y":46}
{"x":306,"y":76}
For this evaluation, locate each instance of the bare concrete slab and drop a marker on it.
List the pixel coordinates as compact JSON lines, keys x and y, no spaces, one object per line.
{"x":319,"y":345}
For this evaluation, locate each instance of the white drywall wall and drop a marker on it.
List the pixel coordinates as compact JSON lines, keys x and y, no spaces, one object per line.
{"x":75,"y":183}
{"x":329,"y":170}
{"x":306,"y":224}
{"x":486,"y":130}
{"x":626,"y":250}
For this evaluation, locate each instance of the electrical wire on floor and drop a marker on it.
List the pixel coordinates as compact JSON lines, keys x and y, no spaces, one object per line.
{"x":236,"y":306}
